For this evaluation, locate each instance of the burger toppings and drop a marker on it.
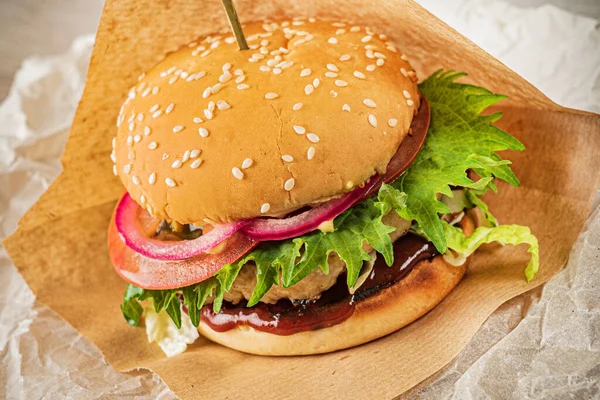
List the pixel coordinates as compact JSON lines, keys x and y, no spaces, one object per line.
{"x":128,"y":226}
{"x":332,"y":307}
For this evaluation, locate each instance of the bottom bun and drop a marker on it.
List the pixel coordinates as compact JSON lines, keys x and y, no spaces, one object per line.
{"x":379,"y":315}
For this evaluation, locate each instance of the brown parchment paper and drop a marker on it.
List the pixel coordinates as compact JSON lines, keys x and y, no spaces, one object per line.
{"x":60,"y":246}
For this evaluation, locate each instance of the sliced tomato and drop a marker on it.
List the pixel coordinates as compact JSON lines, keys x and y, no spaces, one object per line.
{"x":148,"y":273}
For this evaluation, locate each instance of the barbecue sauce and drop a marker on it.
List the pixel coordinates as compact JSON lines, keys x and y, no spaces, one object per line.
{"x":335,"y":304}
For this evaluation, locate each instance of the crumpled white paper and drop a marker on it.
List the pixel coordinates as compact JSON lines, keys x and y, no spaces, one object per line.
{"x":550,"y":349}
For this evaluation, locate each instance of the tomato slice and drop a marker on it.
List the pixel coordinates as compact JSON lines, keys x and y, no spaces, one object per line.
{"x":148,"y":273}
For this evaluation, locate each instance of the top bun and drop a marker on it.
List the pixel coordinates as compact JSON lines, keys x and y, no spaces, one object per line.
{"x":213,"y":134}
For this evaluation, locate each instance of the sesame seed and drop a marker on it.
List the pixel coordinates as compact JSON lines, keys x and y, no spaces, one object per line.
{"x":223,"y":105}
{"x":341,"y":83}
{"x":194,"y":153}
{"x":391,"y":48}
{"x":155,"y":90}
{"x":208,"y":114}
{"x":305,"y":72}
{"x":142,"y":199}
{"x":203,"y":132}
{"x":238,"y":72}
{"x":404,"y":57}
{"x":359,"y":75}
{"x":114,"y":142}
{"x":173,"y":79}
{"x":237,"y":173}
{"x":131,"y":155}
{"x":370,"y":67}
{"x":176,"y":129}
{"x":170,"y":182}
{"x":186,"y":156}
{"x":240,"y":79}
{"x":169,"y":108}
{"x":346,"y":107}
{"x":127,"y":168}
{"x":308,"y":89}
{"x":366,"y":39}
{"x":226,"y":67}
{"x":147,"y":130}
{"x":300,"y":130}
{"x":333,"y":93}
{"x":403,"y":72}
{"x":310,"y":153}
{"x":380,"y":62}
{"x":271,"y":95}
{"x":369,"y":103}
{"x":380,"y":55}
{"x":272,"y":62}
{"x":115,"y":171}
{"x":165,"y":156}
{"x":276,"y":71}
{"x":340,"y":31}
{"x":289,"y":184}
{"x":332,"y":40}
{"x":316,"y":82}
{"x":211,"y":106}
{"x":247,"y":163}
{"x":242,"y":86}
{"x":197,"y":120}
{"x":131,"y":126}
{"x":153,"y":145}
{"x":225,"y":77}
{"x":176,"y":164}
{"x":199,"y":75}
{"x":332,"y":67}
{"x":206,"y":93}
{"x":215,"y":88}
{"x":230,"y":40}
{"x":113,"y":157}
{"x":264,"y":68}
{"x":205,"y":53}
{"x":410,"y":103}
{"x":152,"y":178}
{"x":264,"y":51}
{"x":355,"y":29}
{"x":373,"y":120}
{"x":312,"y":138}
{"x":345,"y":57}
{"x":297,"y":106}
{"x":287,"y":158}
{"x":184,"y":75}
{"x":135,"y":180}
{"x":129,"y":140}
{"x":140,"y":117}
{"x":392,"y":122}
{"x":406,"y":94}
{"x":265,"y":208}
{"x":330,"y":74}
{"x":196,"y":163}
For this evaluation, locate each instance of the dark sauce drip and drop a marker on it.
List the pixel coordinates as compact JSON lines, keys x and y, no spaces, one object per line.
{"x":335,"y":304}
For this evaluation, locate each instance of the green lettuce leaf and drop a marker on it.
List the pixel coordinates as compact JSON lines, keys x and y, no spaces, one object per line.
{"x":459,"y":139}
{"x":464,"y":246}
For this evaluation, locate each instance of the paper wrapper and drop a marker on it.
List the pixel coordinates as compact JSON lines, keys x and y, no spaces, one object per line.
{"x":60,"y":246}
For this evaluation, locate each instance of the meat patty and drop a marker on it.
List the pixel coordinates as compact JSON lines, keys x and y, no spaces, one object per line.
{"x":314,"y":284}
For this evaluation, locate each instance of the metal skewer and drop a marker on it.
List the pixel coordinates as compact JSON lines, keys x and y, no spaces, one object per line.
{"x":234,"y":22}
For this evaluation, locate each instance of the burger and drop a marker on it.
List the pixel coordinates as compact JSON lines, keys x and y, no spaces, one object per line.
{"x":303,"y":196}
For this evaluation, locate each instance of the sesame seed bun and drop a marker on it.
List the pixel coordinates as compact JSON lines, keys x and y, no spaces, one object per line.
{"x":214,"y":134}
{"x":390,"y":309}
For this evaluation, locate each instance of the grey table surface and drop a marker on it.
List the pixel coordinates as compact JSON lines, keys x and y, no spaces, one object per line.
{"x":48,"y":27}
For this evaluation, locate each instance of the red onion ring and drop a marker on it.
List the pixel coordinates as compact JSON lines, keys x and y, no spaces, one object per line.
{"x":279,"y":229}
{"x":126,"y":219}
